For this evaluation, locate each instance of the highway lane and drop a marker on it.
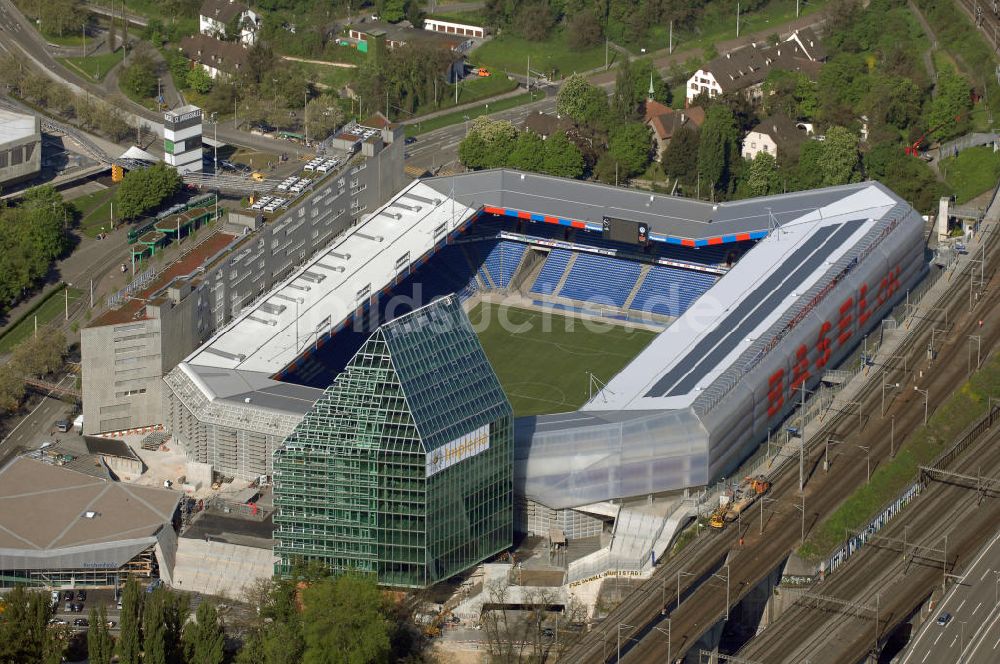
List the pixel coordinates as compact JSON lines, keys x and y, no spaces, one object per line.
{"x":38,"y":425}
{"x":972,"y":636}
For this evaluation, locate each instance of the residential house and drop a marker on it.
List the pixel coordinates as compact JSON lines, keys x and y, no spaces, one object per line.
{"x":665,"y":121}
{"x":546,"y":124}
{"x":775,"y":135}
{"x":373,"y":36}
{"x":216,"y":16}
{"x":746,"y":68}
{"x":218,"y":58}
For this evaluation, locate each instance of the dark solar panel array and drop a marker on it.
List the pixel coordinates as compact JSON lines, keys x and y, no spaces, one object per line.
{"x":752,"y":310}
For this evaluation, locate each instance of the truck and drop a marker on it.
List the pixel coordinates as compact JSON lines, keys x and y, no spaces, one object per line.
{"x":730,"y":507}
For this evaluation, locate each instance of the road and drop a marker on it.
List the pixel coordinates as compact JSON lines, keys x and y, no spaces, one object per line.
{"x":704,"y":598}
{"x":879,"y":576}
{"x":18,"y":37}
{"x":37,"y":426}
{"x":973,"y":634}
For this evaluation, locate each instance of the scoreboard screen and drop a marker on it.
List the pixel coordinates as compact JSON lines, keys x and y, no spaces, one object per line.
{"x":623,"y":230}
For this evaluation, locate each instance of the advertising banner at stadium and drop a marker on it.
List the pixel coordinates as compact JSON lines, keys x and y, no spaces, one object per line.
{"x":461,"y":448}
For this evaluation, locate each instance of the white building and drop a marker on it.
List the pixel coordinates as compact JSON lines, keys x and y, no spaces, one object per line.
{"x":182,"y":139}
{"x":773,"y":135}
{"x":450,"y":28}
{"x":217,"y":16}
{"x":20,"y":147}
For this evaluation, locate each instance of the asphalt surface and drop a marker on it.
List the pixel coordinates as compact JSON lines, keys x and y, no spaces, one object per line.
{"x":972,"y":636}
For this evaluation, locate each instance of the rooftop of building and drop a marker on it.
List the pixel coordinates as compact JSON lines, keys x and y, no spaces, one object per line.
{"x":180,"y":110}
{"x":17,"y":126}
{"x":222,"y":55}
{"x":45,"y":507}
{"x":665,"y":121}
{"x":749,"y":65}
{"x":406,"y":33}
{"x":134,"y":307}
{"x":231,"y":529}
{"x":109,"y":447}
{"x":222,"y":10}
{"x":783,"y":130}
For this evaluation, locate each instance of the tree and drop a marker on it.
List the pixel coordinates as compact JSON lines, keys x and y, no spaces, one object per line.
{"x":808,"y":173}
{"x":909,"y":177}
{"x":154,"y":628}
{"x":392,"y":11}
{"x":129,"y":643}
{"x":582,"y":101}
{"x":139,"y":77}
{"x":643,"y":71}
{"x":58,"y":17}
{"x":949,"y":108}
{"x":12,"y":391}
{"x":528,"y":153}
{"x":630,"y":147}
{"x":534,"y":21}
{"x":24,"y":632}
{"x":324,"y":115}
{"x":198,"y":80}
{"x":623,"y":101}
{"x":680,"y":159}
{"x":562,"y":157}
{"x":762,"y":178}
{"x":41,"y":355}
{"x":204,"y":638}
{"x":343,"y":621}
{"x":840,"y":157}
{"x":100,"y":647}
{"x":488,"y":144}
{"x":583,"y":30}
{"x":144,"y":189}
{"x":718,"y":147}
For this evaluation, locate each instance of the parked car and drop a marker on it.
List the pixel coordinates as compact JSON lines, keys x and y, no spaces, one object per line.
{"x":81,"y":595}
{"x":62,"y":426}
{"x":68,"y":608}
{"x":112,"y":624}
{"x":58,"y":621}
{"x":81,"y":622}
{"x":944,"y":618}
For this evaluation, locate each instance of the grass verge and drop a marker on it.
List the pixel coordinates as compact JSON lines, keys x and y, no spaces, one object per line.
{"x":93,"y":67}
{"x":455,"y":117}
{"x":47,"y":310}
{"x":972,"y":172}
{"x":95,"y":211}
{"x":958,"y":411}
{"x":542,"y":359}
{"x":510,"y":54}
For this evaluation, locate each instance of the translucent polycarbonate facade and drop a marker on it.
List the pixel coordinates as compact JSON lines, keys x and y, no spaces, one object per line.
{"x":560,"y":464}
{"x":403,"y":468}
{"x":574,"y":459}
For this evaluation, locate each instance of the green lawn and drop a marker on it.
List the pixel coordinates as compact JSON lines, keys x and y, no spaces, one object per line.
{"x":459,"y":116}
{"x":509,"y":53}
{"x":95,"y":211}
{"x":962,"y":408}
{"x":471,"y":89}
{"x":94,"y":67}
{"x":53,"y":307}
{"x":542,"y":359}
{"x":972,"y":172}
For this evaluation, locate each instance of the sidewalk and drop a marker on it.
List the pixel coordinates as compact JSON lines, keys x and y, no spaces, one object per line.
{"x":462,"y":107}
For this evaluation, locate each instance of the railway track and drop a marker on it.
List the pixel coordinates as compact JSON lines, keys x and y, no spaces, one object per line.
{"x":985,"y":15}
{"x":879,"y":576}
{"x":704,"y":598}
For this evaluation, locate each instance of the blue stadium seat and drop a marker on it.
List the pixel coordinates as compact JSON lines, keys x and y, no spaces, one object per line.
{"x":548,"y":278}
{"x":670,"y":291}
{"x":601,"y":279}
{"x":502,"y":260}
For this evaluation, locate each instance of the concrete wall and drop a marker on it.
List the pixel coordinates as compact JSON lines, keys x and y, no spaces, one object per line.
{"x":218,"y":568}
{"x":179,"y":319}
{"x":21,"y":159}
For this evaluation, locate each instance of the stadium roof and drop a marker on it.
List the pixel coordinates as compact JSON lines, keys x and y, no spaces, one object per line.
{"x":584,"y":204}
{"x":730,"y":318}
{"x":320,"y":296}
{"x":47,"y":511}
{"x":15,"y":126}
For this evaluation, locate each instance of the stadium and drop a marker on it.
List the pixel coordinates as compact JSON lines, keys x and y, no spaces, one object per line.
{"x":638,"y":345}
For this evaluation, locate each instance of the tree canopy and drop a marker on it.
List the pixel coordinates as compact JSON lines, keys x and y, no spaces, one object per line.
{"x":344,"y":622}
{"x":145,"y":189}
{"x":32,"y":235}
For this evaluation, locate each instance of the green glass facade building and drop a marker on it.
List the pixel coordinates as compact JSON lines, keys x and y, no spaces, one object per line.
{"x":403,"y":468}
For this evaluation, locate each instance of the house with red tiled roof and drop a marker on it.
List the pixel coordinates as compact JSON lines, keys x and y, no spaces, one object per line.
{"x":665,"y":121}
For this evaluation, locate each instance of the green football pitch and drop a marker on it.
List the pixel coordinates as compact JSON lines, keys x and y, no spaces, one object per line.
{"x":543,"y":360}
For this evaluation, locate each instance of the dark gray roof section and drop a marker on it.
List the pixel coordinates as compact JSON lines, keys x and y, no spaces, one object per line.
{"x":109,"y":447}
{"x":237,"y":386}
{"x":666,"y":215}
{"x":752,"y":309}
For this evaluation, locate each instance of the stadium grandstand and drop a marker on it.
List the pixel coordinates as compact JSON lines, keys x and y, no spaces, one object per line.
{"x":750,"y":300}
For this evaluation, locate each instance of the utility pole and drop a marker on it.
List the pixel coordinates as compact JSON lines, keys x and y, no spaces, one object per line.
{"x":728,"y":576}
{"x":892,"y":437}
{"x":926,"y":395}
{"x":979,"y":346}
{"x":802,"y":440}
{"x":305,"y":115}
{"x":737,"y":19}
{"x":670,"y":48}
{"x":868,"y":454}
{"x":66,"y":293}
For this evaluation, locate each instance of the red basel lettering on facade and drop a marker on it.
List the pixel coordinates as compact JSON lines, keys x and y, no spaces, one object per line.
{"x":823,"y":346}
{"x":844,"y":329}
{"x":775,"y":392}
{"x":864,"y":311}
{"x":800,"y":370}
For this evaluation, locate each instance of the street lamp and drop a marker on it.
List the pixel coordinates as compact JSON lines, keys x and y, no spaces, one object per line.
{"x":826,"y":459}
{"x":620,"y":625}
{"x":215,"y":124}
{"x":728,"y":575}
{"x":660,"y":630}
{"x":885,"y":385}
{"x":926,"y":396}
{"x":66,"y":291}
{"x":868,"y":456}
{"x":979,"y":345}
{"x":679,"y":574}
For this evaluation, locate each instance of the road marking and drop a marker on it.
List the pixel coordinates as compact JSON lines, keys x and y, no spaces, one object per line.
{"x":28,"y":416}
{"x":977,"y":608}
{"x":960,"y":606}
{"x":985,"y":574}
{"x":926,"y":655}
{"x":996,"y":644}
{"x":938,"y":638}
{"x":953,"y":642}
